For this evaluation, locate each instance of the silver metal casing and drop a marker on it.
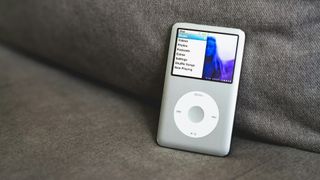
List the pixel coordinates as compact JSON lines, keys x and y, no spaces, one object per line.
{"x":225,"y":95}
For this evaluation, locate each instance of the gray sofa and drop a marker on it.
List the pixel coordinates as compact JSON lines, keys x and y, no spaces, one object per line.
{"x":81,"y":82}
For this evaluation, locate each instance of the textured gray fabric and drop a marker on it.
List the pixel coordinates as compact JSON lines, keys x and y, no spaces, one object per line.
{"x":125,"y":43}
{"x":56,"y":126}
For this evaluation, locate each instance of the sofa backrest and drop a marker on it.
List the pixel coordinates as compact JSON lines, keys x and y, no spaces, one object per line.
{"x":124,"y":43}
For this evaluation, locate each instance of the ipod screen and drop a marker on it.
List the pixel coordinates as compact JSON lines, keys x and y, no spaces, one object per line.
{"x":205,"y":55}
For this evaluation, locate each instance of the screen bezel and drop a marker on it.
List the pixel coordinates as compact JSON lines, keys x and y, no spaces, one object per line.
{"x":175,"y":48}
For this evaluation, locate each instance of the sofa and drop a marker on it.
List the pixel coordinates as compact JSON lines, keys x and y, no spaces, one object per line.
{"x":81,"y":84}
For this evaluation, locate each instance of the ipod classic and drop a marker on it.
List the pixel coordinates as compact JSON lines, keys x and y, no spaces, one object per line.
{"x":201,"y":88}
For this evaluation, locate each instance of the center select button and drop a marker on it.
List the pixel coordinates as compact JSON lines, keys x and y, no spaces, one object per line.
{"x":195,"y":114}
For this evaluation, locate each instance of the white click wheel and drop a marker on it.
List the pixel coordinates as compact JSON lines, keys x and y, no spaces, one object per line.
{"x":196,"y":114}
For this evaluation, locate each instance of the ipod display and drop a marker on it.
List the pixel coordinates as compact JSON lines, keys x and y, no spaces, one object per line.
{"x":200,"y":89}
{"x":205,"y":55}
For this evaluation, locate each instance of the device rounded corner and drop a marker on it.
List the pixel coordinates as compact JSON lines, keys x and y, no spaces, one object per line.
{"x":176,"y":25}
{"x":225,"y":153}
{"x":242,"y":33}
{"x":159,"y":141}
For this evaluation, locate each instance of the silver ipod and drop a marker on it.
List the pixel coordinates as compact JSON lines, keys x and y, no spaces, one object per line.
{"x":200,"y":89}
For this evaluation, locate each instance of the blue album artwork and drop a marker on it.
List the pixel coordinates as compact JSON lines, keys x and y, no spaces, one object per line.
{"x":215,"y":68}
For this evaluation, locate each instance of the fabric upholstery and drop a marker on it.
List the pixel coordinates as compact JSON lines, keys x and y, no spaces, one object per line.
{"x":124,"y":43}
{"x":54,"y":125}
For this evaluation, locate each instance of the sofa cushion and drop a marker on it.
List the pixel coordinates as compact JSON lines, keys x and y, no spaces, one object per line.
{"x":54,"y":125}
{"x":124,"y":43}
